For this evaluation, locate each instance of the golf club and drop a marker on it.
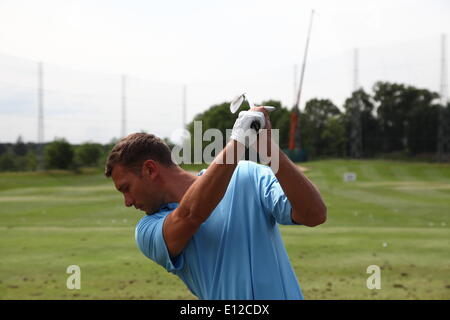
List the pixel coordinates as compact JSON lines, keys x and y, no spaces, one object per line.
{"x":237,"y":102}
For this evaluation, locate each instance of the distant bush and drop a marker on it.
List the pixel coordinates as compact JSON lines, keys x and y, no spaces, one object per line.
{"x":88,"y":154}
{"x":8,"y":161}
{"x":59,"y":154}
{"x":20,"y":147}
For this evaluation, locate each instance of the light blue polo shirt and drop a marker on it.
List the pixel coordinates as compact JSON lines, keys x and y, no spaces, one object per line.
{"x":237,"y":253}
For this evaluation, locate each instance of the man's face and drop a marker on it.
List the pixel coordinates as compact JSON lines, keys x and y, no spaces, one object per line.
{"x":140,"y":192}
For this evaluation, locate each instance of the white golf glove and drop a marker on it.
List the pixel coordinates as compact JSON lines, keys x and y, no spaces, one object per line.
{"x":242,"y":129}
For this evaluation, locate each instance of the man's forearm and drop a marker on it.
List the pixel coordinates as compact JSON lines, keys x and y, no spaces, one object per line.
{"x":308,"y":207}
{"x":208,"y":190}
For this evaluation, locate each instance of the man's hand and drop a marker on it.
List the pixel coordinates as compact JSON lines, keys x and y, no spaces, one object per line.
{"x":263,"y":143}
{"x":242,"y":127}
{"x":308,"y":208}
{"x":268,"y":125}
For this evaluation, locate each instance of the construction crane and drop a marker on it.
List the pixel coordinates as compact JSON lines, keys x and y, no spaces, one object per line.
{"x":295,"y":146}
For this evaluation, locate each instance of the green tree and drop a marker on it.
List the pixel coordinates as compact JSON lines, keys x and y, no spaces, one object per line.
{"x":20,"y":147}
{"x":3,"y":148}
{"x":31,"y":161}
{"x":88,"y":154}
{"x":334,"y":137}
{"x":312,"y":125}
{"x":219,"y":117}
{"x":422,"y":121}
{"x":8,"y":161}
{"x":407,"y":117}
{"x":370,"y":131}
{"x":280,"y":119}
{"x":216,"y":117}
{"x":59,"y":154}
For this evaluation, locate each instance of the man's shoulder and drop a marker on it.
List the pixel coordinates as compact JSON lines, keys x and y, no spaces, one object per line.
{"x":254,"y":168}
{"x":150,"y":219}
{"x":246,"y":166}
{"x":249,"y":170}
{"x":161,"y":213}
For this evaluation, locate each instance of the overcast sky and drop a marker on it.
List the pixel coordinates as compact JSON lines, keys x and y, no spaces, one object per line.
{"x":217,"y":48}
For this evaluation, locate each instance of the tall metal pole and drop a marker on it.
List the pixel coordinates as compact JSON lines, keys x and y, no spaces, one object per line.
{"x":183,"y":118}
{"x":355,"y":70}
{"x":356,"y":130}
{"x":294,"y":131}
{"x":40,"y":135}
{"x":297,"y":103}
{"x":443,"y":152}
{"x":444,"y":83}
{"x":295,"y":134}
{"x":124,"y":107}
{"x":295,"y":84}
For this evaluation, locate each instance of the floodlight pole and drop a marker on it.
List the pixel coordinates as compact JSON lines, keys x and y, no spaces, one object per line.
{"x":295,"y":84}
{"x":183,"y":115}
{"x":443,"y":148}
{"x":40,"y":135}
{"x":356,"y":130}
{"x":124,"y":106}
{"x":297,"y":103}
{"x":294,"y":132}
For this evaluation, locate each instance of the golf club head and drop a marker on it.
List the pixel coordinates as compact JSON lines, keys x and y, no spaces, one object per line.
{"x":236,"y":103}
{"x":238,"y":100}
{"x":250,"y":103}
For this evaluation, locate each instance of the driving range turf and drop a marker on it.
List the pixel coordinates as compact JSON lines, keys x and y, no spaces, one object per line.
{"x":396,"y":215}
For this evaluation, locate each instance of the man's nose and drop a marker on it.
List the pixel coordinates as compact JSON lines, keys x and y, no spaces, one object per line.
{"x":128,"y":201}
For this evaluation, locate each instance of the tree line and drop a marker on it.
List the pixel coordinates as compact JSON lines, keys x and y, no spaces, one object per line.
{"x":58,"y":154}
{"x":396,"y":120}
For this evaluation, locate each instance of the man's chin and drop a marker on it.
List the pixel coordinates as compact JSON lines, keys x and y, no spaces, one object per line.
{"x":148,"y":211}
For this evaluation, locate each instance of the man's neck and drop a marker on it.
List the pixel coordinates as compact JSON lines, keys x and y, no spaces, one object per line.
{"x":177,"y":182}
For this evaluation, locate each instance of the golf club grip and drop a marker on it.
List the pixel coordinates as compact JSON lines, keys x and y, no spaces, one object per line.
{"x":255,"y":125}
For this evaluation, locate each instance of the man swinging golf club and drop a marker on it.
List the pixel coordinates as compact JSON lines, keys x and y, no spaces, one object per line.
{"x":218,"y":231}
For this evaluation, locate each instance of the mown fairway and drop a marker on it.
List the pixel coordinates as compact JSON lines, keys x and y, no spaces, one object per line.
{"x":396,"y":215}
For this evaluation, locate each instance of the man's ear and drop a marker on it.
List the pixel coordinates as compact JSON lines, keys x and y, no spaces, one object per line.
{"x":149,"y":168}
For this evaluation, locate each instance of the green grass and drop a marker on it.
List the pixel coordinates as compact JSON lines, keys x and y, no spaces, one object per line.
{"x":396,"y":215}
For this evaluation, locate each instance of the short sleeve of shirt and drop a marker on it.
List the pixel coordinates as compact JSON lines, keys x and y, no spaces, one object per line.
{"x":150,"y":240}
{"x":272,"y":195}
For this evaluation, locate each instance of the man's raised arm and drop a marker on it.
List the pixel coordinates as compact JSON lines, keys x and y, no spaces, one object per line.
{"x":308,"y":207}
{"x":207,"y":191}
